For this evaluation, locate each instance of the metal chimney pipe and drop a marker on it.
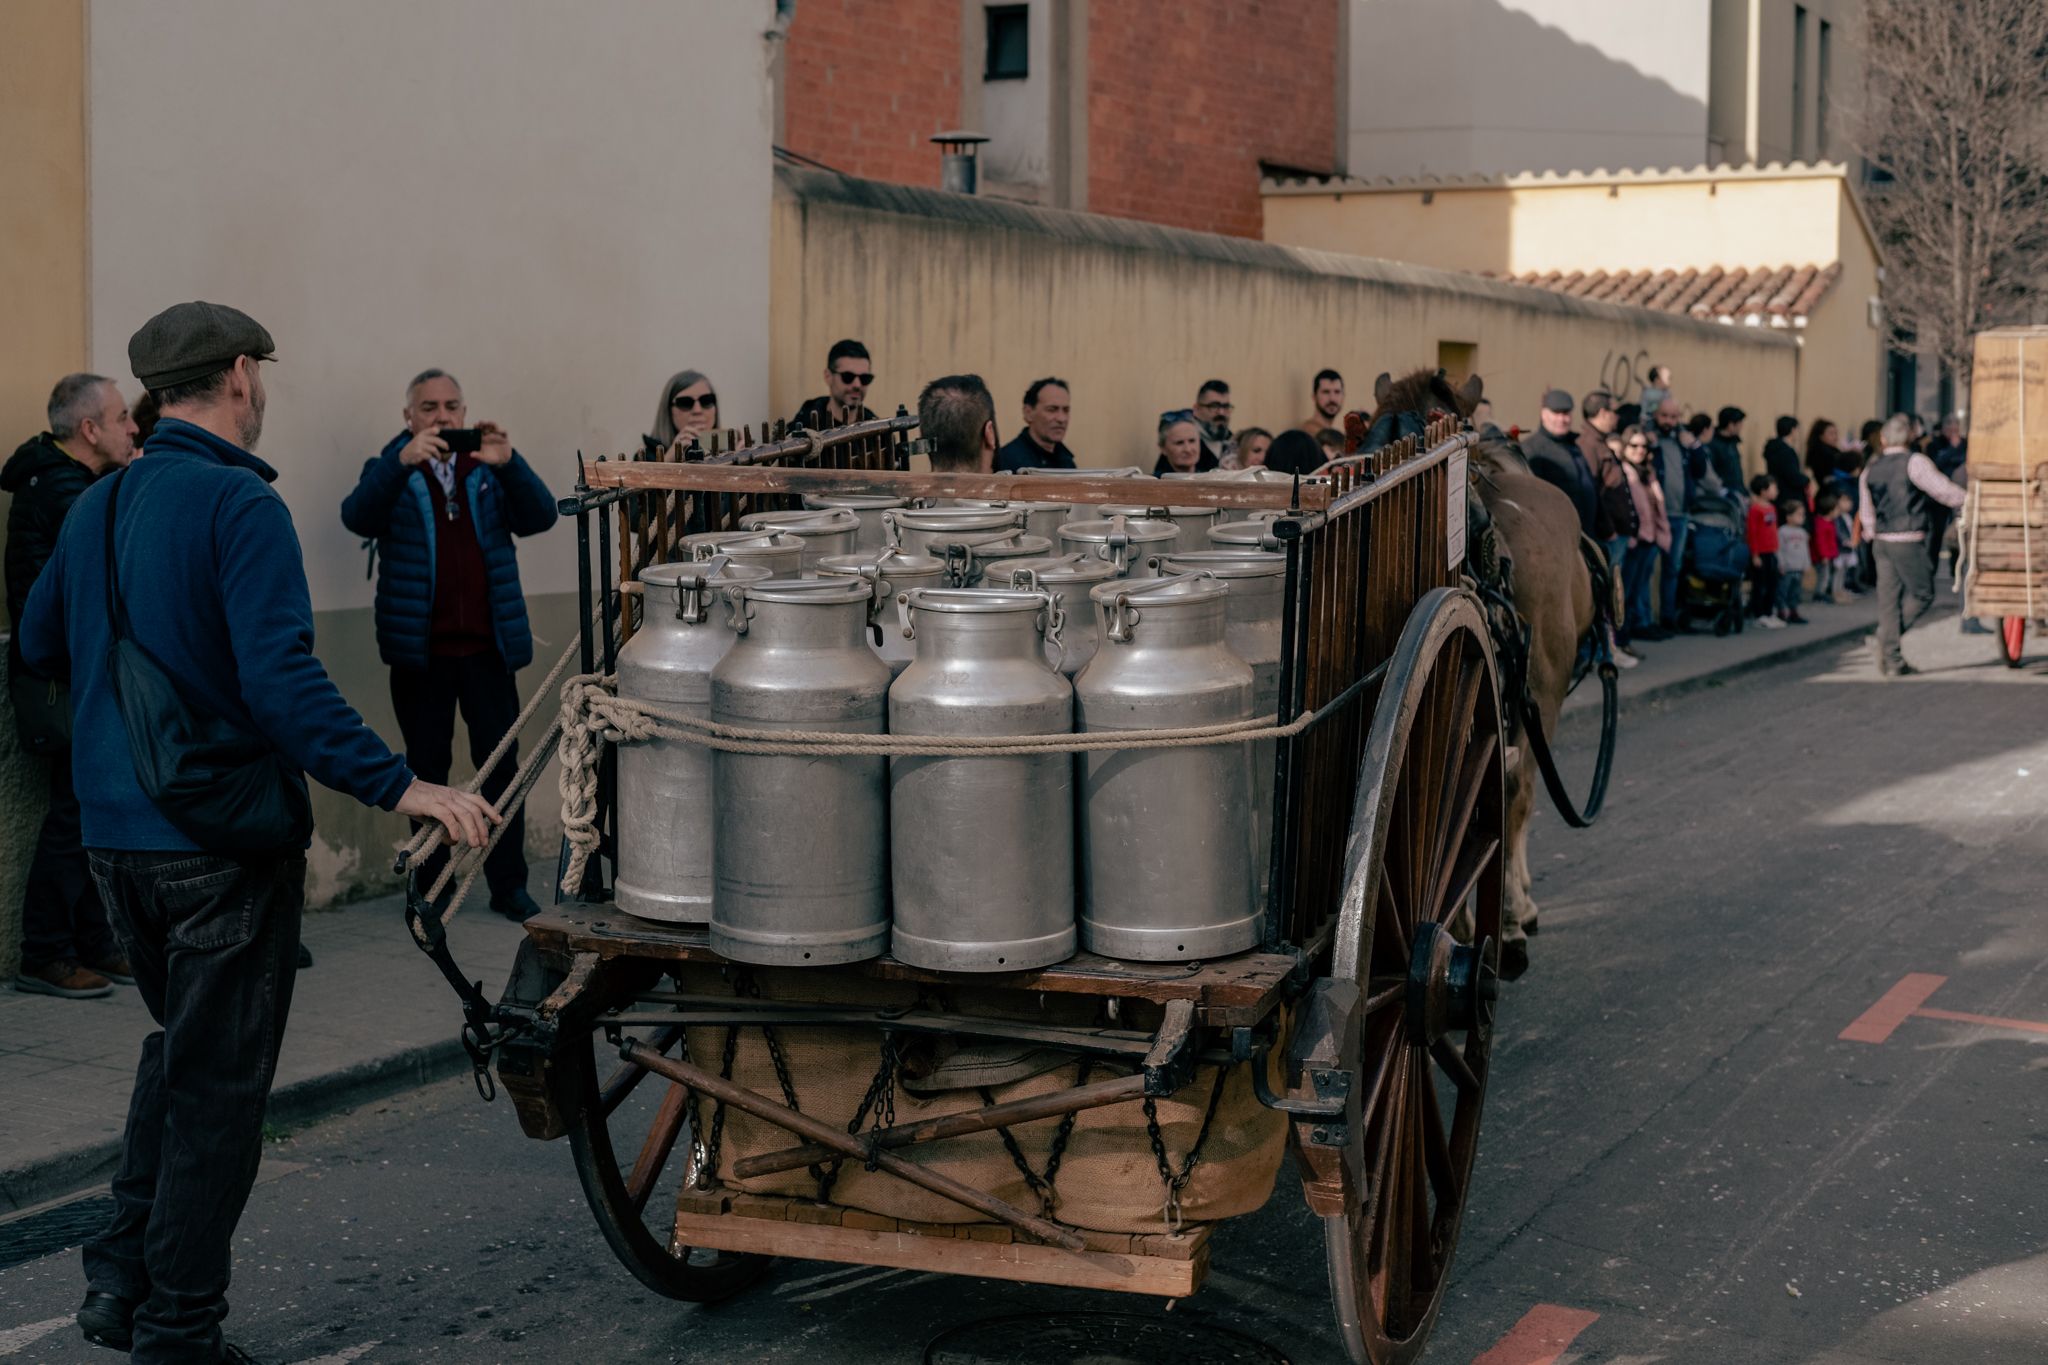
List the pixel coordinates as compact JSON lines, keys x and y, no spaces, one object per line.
{"x":957,"y":170}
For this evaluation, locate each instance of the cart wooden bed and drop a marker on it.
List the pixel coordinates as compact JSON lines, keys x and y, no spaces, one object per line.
{"x":1374,"y":986}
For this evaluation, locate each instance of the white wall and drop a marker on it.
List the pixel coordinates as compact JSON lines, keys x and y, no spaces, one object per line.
{"x":1017,"y":115}
{"x":1526,"y":85}
{"x":562,"y":204}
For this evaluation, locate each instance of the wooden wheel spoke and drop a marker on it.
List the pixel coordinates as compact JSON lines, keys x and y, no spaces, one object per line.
{"x":1436,"y":1147}
{"x":1384,"y":991}
{"x":1458,"y":881}
{"x":661,"y":1140}
{"x":1390,"y":923}
{"x":1454,"y":1064}
{"x":1386,"y":1172}
{"x":626,"y":1079}
{"x":1457,"y":818}
{"x":1460,"y":782}
{"x":1421,"y":1263}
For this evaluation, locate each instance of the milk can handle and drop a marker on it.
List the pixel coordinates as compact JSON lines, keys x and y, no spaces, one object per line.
{"x":738,"y":613}
{"x":1117,"y":548}
{"x":903,"y":615}
{"x":889,"y":526}
{"x":692,"y":590}
{"x":1052,"y":619}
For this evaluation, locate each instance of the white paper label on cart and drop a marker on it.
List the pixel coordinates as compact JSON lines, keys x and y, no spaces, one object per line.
{"x":1454,"y":509}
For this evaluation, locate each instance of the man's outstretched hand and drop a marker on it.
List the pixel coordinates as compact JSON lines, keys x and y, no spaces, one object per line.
{"x":466,"y":816}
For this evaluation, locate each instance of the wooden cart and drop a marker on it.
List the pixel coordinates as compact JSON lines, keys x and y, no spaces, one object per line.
{"x":2004,"y":524}
{"x":1373,"y":991}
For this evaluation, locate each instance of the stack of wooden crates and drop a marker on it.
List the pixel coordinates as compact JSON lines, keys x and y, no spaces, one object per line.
{"x":2005,"y":522}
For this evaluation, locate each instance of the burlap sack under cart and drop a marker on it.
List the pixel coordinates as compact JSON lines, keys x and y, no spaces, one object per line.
{"x":1107,"y":1178}
{"x":2005,"y":522}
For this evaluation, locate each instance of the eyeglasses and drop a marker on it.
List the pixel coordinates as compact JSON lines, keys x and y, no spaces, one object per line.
{"x":849,"y":377}
{"x":1218,"y":404}
{"x":689,"y":403}
{"x":1638,"y":445}
{"x":1177,"y":415}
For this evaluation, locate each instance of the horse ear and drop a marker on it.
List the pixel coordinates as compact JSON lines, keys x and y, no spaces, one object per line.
{"x":1440,"y":385}
{"x":1472,"y":389}
{"x":1382,"y":386}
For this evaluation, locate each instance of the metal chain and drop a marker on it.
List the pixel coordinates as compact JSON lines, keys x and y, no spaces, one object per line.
{"x":732,"y":1048}
{"x":880,"y":1100}
{"x":1043,"y":1185}
{"x":699,"y":1174}
{"x":1176,"y":1183}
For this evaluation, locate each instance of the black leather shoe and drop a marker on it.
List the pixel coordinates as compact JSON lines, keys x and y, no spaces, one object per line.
{"x":516,"y":906}
{"x":107,"y":1320}
{"x":305,"y":957}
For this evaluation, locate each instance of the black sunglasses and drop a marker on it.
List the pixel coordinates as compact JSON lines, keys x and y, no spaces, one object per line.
{"x":849,"y":377}
{"x":689,"y":403}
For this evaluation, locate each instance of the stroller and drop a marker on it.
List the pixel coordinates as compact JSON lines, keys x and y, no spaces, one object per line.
{"x":1716,"y":560}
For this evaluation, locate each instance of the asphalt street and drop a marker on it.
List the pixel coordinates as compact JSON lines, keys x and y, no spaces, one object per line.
{"x":1684,"y":1159}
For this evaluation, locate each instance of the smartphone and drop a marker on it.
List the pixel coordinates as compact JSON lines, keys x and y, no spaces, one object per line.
{"x":462,"y":440}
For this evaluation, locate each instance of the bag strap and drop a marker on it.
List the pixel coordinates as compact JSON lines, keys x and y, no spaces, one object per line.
{"x":116,"y":614}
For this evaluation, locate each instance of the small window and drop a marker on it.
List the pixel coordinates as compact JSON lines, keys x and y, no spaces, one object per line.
{"x":1009,"y":43}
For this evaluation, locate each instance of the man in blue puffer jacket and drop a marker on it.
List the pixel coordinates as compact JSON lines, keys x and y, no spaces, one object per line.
{"x":451,"y":620}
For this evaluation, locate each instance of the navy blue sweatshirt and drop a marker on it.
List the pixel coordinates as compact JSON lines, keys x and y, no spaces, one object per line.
{"x":215,"y":588}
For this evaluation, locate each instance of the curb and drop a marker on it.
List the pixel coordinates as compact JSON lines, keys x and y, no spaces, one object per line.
{"x":1714,"y":677}
{"x":300,"y":1103}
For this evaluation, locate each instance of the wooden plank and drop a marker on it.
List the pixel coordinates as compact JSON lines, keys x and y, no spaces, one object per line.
{"x":1314,"y":494}
{"x":1022,"y":1261}
{"x":1229,"y":991}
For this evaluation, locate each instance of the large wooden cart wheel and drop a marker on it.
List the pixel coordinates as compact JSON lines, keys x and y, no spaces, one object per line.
{"x":635,"y":1205}
{"x":1419,"y":933}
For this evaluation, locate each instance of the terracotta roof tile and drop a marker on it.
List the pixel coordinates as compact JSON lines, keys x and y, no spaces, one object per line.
{"x":1784,"y":295}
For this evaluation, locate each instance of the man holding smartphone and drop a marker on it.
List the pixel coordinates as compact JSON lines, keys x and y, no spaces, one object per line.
{"x":441,"y":503}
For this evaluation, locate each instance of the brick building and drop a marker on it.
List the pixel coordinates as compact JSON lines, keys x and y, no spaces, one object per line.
{"x":1168,"y":114}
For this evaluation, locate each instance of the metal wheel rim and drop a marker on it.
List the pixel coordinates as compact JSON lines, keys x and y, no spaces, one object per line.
{"x":654,"y":1261}
{"x":1429,"y":780}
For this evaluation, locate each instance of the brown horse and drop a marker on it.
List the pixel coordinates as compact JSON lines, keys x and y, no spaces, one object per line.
{"x":1537,"y":529}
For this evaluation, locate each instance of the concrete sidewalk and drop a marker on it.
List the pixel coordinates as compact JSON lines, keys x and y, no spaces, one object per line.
{"x":371,"y":1016}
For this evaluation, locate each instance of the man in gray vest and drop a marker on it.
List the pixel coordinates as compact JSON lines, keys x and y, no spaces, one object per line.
{"x":1900,"y":490}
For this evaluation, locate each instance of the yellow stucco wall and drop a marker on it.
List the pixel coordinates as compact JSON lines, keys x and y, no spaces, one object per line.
{"x":42,"y":209}
{"x":1598,"y":224}
{"x":1135,"y":316}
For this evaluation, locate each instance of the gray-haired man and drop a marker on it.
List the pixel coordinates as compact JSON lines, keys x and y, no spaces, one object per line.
{"x":1900,"y":491}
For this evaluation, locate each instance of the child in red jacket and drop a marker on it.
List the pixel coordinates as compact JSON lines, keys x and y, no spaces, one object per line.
{"x":1827,"y":544}
{"x":1763,"y":551}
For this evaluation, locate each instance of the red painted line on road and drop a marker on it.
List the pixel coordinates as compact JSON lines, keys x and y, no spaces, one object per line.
{"x":1540,"y":1337}
{"x":2024,"y":1025}
{"x":1897,"y":1005}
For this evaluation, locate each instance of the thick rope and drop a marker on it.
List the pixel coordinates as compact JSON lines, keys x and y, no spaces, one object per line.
{"x":593,"y":715}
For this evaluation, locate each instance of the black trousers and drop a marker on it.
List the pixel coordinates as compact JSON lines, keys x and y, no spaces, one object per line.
{"x":214,"y":944}
{"x":1905,"y":590}
{"x":1763,"y":585}
{"x":488,"y":695}
{"x":61,"y":914}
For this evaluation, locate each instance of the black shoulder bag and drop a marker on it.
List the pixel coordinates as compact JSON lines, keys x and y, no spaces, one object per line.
{"x":227,"y":791}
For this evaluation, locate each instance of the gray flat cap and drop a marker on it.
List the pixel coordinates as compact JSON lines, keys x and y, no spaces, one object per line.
{"x":1557,"y":400}
{"x":189,"y":341}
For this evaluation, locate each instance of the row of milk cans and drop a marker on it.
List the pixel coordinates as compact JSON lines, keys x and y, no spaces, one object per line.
{"x":868,"y":617}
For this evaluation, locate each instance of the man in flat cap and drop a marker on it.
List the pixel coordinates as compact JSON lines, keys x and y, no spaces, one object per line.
{"x":208,"y":579}
{"x":1555,"y":456}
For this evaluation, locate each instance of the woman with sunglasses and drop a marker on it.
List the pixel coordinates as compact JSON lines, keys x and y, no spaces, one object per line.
{"x":1180,"y":445}
{"x":689,"y":409}
{"x":1652,"y":538}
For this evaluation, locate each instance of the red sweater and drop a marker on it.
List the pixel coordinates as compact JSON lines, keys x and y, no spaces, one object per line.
{"x":1826,"y":545}
{"x":462,"y":608}
{"x":1763,"y":527}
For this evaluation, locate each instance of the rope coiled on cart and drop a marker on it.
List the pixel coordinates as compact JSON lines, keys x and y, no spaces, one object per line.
{"x":594,"y":714}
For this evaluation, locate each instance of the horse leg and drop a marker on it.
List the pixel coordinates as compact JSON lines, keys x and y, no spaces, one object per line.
{"x":1518,"y":907}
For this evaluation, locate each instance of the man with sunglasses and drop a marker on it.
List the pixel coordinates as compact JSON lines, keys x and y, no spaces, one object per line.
{"x":441,"y":504}
{"x":1212,"y":412}
{"x":849,"y":374}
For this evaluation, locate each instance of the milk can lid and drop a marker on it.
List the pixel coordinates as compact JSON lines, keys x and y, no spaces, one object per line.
{"x":1134,"y":528}
{"x":815,"y":521}
{"x":1142,"y":509}
{"x":674,"y":574}
{"x":809,"y":592}
{"x":866,"y":502}
{"x":974,"y":599}
{"x":1073,"y":568}
{"x":897,"y":562}
{"x":1243,"y":562}
{"x":1159,"y":592}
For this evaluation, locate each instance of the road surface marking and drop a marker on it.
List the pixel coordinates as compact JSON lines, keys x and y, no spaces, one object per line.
{"x":344,"y":1357}
{"x":1540,"y":1337}
{"x":1908,"y":1000}
{"x":14,"y":1338}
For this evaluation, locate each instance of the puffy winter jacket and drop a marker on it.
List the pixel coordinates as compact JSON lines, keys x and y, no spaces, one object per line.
{"x":393,"y":506}
{"x":44,"y":482}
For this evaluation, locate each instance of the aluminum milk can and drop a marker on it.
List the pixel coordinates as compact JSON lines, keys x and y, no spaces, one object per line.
{"x":981,"y":849}
{"x":1068,"y":578}
{"x":1040,"y":518}
{"x":927,"y":530}
{"x":1257,"y":584}
{"x":867,"y":506}
{"x":825,"y":531}
{"x":1253,"y":533}
{"x":1129,"y":543}
{"x":889,"y":573}
{"x":782,"y":555}
{"x":664,"y":814}
{"x":800,"y":844}
{"x":1258,"y":474}
{"x":971,"y":558}
{"x":1194,"y":522}
{"x":1166,"y":838}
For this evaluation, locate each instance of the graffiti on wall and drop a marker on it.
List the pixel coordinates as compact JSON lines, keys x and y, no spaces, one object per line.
{"x":1623,"y":375}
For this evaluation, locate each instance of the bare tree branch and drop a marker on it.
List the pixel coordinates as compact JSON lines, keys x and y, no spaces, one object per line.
{"x":1956,"y":121}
